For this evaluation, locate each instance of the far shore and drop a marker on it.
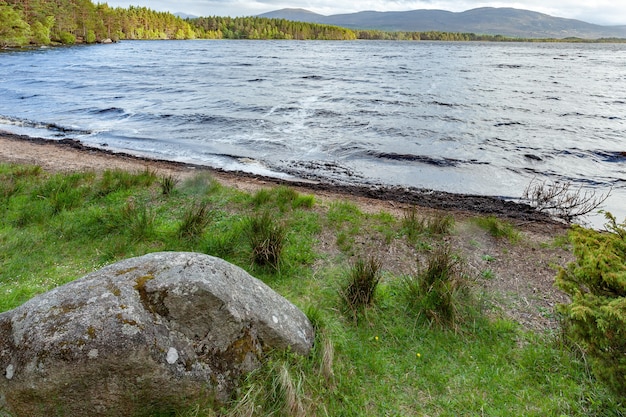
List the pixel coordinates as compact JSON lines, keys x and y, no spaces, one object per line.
{"x":71,"y":155}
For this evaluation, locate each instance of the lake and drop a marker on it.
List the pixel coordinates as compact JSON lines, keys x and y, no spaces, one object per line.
{"x":479,"y":118}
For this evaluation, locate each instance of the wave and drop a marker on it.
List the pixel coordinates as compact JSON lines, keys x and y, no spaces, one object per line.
{"x":443,"y":104}
{"x":108,"y":110}
{"x":514,"y":110}
{"x":424,"y":159}
{"x":611,"y":156}
{"x":52,"y":127}
{"x":501,"y":124}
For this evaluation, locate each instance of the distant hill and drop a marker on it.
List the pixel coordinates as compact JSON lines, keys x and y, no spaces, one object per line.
{"x":184,"y":15}
{"x":485,"y":20}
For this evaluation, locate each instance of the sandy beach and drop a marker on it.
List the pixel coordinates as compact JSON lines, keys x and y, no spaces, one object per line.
{"x":526,"y":287}
{"x":71,"y":155}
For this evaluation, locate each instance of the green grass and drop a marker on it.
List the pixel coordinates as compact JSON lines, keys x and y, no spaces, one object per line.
{"x":360,"y":287}
{"x":168,"y":184}
{"x":499,"y":228}
{"x":392,"y":361}
{"x":266,"y":237}
{"x":440,"y":290}
{"x":416,"y":226}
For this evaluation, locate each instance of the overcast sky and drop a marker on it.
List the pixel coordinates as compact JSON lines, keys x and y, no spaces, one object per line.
{"x":603,"y":12}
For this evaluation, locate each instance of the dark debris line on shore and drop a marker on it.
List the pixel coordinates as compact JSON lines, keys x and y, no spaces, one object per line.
{"x":442,"y":200}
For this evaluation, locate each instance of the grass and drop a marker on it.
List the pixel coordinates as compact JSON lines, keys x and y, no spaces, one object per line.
{"x":168,"y":184}
{"x":415,"y":225}
{"x":440,"y":289}
{"x":266,"y":237}
{"x":393,"y":361}
{"x":358,"y":292}
{"x":499,"y":228}
{"x":195,"y":220}
{"x":488,"y":273}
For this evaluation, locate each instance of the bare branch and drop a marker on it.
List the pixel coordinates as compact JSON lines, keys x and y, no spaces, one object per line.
{"x":560,"y":200}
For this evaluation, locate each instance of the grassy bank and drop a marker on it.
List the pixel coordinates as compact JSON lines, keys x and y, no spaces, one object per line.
{"x":404,"y":324}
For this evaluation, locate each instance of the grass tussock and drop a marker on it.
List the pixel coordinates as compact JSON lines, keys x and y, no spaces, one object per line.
{"x":363,"y":278}
{"x":168,"y":184}
{"x":138,"y":220}
{"x":440,"y":289}
{"x":119,"y":180}
{"x":200,"y":185}
{"x":415,"y":225}
{"x":266,"y":237}
{"x":195,"y":220}
{"x":400,"y":358}
{"x":500,"y":229}
{"x":282,"y":197}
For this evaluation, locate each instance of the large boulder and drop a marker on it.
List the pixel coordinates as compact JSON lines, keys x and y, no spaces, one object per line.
{"x":142,"y":335}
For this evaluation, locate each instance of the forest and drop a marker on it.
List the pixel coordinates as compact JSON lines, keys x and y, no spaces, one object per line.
{"x":45,"y":22}
{"x":42,"y":22}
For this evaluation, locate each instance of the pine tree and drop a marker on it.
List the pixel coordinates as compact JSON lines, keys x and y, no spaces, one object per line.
{"x":596,"y":284}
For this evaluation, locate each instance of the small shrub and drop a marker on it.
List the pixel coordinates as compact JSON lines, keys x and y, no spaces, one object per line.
{"x":316,"y":317}
{"x":67,"y":38}
{"x":195,"y":219}
{"x":168,"y":184}
{"x":596,"y":284}
{"x":440,"y":289}
{"x":499,"y":228}
{"x":266,"y":237}
{"x":362,"y":282}
{"x":561,"y":200}
{"x":146,"y":177}
{"x":91,"y":36}
{"x":222,"y":245}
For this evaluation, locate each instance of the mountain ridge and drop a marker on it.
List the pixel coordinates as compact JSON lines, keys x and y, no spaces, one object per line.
{"x":504,"y":21}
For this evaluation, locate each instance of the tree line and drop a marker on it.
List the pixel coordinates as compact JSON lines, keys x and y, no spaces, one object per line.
{"x":254,"y":27}
{"x":42,"y":22}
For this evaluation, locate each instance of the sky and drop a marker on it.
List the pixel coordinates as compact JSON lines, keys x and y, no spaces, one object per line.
{"x":602,"y":12}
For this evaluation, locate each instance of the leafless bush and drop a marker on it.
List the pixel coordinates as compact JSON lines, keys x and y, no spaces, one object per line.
{"x":562,"y":200}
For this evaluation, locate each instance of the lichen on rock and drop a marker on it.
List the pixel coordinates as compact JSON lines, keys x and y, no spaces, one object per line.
{"x":164,"y":327}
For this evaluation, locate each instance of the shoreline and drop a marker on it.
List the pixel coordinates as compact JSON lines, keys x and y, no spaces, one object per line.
{"x":73,"y":155}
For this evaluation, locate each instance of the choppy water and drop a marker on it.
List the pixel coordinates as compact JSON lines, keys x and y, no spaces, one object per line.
{"x":481,"y":118}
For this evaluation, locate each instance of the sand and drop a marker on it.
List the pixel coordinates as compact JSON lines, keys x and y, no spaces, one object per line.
{"x":523,"y":284}
{"x":71,"y":155}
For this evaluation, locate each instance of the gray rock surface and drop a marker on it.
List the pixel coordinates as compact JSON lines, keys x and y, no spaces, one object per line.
{"x":155,"y":331}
